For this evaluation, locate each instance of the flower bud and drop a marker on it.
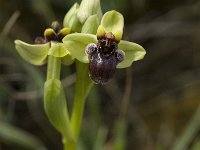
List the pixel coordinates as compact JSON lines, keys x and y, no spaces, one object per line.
{"x":89,"y":8}
{"x":91,"y":25}
{"x":71,"y":20}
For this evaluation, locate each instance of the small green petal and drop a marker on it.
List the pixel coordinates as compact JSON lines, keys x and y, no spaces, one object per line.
{"x":49,"y":34}
{"x":76,"y":44}
{"x":89,"y":8}
{"x":71,"y":20}
{"x":64,"y":31}
{"x":58,"y":50}
{"x":91,"y":25}
{"x":113,"y":21}
{"x":133,"y":52}
{"x":33,"y":53}
{"x":118,"y":36}
{"x":101,"y":32}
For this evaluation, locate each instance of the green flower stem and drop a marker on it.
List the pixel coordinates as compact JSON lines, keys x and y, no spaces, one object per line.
{"x":83,"y":85}
{"x":69,"y":145}
{"x":53,"y":72}
{"x":53,"y":68}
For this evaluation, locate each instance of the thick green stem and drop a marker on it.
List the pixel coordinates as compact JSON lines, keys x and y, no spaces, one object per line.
{"x":83,"y":85}
{"x":78,"y":108}
{"x":53,"y":68}
{"x":69,"y":145}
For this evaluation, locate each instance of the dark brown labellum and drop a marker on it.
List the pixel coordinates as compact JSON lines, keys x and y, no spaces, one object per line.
{"x":103,"y":58}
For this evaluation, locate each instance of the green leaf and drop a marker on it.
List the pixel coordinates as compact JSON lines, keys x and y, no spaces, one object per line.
{"x":120,"y":134}
{"x":76,"y":44}
{"x":100,"y":140}
{"x":71,"y":20}
{"x":35,"y":54}
{"x":13,"y":135}
{"x":113,"y":21}
{"x":91,"y":25}
{"x":58,"y":50}
{"x":89,"y":8}
{"x":133,"y":52}
{"x":55,"y":105}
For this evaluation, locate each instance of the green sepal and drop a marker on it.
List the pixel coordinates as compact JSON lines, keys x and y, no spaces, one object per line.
{"x":55,"y":105}
{"x":71,"y":20}
{"x":35,"y":54}
{"x":58,"y":50}
{"x":91,"y":25}
{"x":113,"y":21}
{"x":76,"y":44}
{"x":89,"y":8}
{"x":67,"y":60}
{"x":133,"y":52}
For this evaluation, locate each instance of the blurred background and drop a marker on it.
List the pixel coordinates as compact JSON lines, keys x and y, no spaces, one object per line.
{"x":153,"y":105}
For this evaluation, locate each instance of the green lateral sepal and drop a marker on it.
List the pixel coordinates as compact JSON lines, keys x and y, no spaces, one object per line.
{"x":35,"y":54}
{"x":76,"y":44}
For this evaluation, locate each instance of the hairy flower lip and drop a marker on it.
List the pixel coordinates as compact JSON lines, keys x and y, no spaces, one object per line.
{"x":107,"y":45}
